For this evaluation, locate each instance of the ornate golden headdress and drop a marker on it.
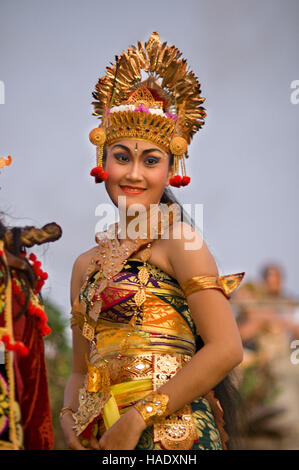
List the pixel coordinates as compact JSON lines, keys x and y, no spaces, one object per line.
{"x":167,"y":113}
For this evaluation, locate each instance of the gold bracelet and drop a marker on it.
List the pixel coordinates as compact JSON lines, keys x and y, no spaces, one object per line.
{"x":64,"y":410}
{"x":153,"y":407}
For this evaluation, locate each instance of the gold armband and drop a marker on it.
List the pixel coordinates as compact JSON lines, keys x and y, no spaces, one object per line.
{"x":153,"y":407}
{"x":227,"y":284}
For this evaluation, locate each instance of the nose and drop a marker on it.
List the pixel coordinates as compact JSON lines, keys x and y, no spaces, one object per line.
{"x":134,"y":171}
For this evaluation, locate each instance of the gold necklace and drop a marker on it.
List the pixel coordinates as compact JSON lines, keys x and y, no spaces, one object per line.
{"x":110,"y":258}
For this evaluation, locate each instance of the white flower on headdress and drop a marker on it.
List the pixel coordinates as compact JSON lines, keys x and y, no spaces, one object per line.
{"x":132,"y":107}
{"x":156,"y":111}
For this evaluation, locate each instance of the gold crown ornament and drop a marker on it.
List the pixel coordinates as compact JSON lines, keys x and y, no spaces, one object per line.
{"x":164,"y":109}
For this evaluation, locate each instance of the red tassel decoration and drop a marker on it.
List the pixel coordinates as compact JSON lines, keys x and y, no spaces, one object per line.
{"x":185,"y":180}
{"x":17,"y":346}
{"x":99,"y":174}
{"x":41,"y":275}
{"x":176,"y":181}
{"x":33,"y":310}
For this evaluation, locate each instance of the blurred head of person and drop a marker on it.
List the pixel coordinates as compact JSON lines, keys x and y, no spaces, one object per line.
{"x":272,"y":275}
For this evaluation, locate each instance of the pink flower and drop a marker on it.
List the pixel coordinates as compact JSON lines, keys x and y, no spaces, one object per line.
{"x":141,"y":109}
{"x":172,"y":116}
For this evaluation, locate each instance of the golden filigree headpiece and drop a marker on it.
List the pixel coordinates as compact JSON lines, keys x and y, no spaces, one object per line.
{"x":164,"y":109}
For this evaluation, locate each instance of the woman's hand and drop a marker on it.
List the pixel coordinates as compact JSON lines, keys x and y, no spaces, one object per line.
{"x":125,"y":433}
{"x":73,"y":442}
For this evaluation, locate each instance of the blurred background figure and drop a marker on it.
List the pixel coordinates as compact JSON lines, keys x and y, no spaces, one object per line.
{"x":25,"y":415}
{"x":269,"y":381}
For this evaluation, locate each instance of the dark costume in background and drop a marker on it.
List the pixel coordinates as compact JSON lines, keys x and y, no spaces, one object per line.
{"x":25,"y":415}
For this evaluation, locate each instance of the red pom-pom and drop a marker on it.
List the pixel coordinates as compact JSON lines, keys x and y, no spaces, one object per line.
{"x":39,"y":284}
{"x":5,"y":339}
{"x":32,"y":310}
{"x":185,"y":180}
{"x":45,"y":330}
{"x":21,"y":348}
{"x":37,"y":264}
{"x":42,"y":315}
{"x":175,"y":181}
{"x":25,"y":351}
{"x":44,"y":275}
{"x":99,"y":174}
{"x":97,"y":171}
{"x":104,"y":175}
{"x":32,"y":257}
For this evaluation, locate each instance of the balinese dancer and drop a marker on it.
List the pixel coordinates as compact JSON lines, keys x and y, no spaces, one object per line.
{"x":154,"y":335}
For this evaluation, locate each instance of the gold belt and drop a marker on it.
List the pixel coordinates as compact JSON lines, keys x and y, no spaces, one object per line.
{"x":159,"y":367}
{"x":175,"y":432}
{"x":127,"y":379}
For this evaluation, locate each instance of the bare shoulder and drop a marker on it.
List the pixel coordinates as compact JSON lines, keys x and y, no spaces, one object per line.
{"x":87,"y":255}
{"x":188,"y":253}
{"x":84,"y":259}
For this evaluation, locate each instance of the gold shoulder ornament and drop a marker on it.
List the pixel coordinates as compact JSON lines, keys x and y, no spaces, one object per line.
{"x":227,"y":284}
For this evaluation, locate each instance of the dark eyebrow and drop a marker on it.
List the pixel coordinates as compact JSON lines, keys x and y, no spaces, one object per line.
{"x":145,"y":152}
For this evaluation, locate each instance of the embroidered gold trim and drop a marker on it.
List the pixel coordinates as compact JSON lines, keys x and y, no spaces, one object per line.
{"x":98,"y":378}
{"x":169,"y":431}
{"x":142,"y":366}
{"x":176,"y":431}
{"x":153,"y":407}
{"x":88,"y":331}
{"x":90,"y":406}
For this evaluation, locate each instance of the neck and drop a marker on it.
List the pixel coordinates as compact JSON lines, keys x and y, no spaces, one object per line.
{"x":146,"y":224}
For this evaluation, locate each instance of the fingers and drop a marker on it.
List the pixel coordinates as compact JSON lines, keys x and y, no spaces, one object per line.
{"x":94,"y":443}
{"x":103,"y":444}
{"x":75,"y":444}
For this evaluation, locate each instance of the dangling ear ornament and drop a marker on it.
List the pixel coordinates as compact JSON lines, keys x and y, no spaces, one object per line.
{"x":98,"y":137}
{"x":178,"y":147}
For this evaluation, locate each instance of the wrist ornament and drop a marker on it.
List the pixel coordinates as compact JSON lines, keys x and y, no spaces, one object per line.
{"x":153,"y":407}
{"x":65,"y":409}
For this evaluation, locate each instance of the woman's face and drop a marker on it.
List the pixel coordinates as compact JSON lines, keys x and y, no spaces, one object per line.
{"x":138,"y":170}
